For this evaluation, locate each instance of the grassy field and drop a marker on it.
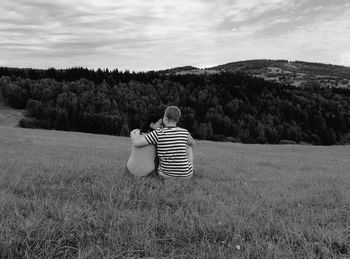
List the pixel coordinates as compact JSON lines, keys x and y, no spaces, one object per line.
{"x":62,"y":194}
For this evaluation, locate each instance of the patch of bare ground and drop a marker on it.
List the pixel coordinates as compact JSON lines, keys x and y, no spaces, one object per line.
{"x":9,"y":116}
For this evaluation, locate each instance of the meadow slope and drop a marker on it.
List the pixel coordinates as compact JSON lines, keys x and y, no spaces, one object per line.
{"x":62,"y":194}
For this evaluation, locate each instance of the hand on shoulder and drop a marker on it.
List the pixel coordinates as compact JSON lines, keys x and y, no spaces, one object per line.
{"x":135,"y":132}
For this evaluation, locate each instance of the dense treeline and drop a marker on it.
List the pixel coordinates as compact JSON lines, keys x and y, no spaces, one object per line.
{"x":226,"y":106}
{"x":76,"y":73}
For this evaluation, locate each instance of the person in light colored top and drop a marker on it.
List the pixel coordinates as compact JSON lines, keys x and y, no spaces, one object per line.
{"x":143,"y":160}
{"x":175,"y":161}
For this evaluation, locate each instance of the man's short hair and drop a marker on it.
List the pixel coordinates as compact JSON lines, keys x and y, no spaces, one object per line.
{"x":173,"y":113}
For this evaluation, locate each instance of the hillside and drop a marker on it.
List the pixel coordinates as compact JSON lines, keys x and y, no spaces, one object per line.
{"x":228,"y":106}
{"x":63,"y":195}
{"x":297,"y":73}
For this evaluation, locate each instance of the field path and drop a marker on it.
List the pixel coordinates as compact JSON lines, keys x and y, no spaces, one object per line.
{"x":9,"y":116}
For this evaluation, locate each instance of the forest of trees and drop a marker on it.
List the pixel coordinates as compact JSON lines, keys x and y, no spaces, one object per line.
{"x":225,"y":106}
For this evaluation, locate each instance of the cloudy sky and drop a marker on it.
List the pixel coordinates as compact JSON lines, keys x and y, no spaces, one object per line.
{"x":157,"y":34}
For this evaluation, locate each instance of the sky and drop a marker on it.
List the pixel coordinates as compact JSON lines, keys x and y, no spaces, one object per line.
{"x":142,"y":35}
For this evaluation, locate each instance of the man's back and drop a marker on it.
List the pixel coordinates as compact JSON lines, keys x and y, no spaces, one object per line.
{"x":171,"y":148}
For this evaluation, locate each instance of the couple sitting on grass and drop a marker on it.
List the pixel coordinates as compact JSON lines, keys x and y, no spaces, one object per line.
{"x":163,"y":141}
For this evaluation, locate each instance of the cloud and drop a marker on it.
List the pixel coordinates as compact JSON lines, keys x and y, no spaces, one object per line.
{"x":345,"y":59}
{"x":155,"y":34}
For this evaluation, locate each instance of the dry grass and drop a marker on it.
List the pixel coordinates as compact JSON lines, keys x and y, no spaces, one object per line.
{"x":62,"y":194}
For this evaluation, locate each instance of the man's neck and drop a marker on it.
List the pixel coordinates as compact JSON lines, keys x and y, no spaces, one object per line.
{"x":171,"y":125}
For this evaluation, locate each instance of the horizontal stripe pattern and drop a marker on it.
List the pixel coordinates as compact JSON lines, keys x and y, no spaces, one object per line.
{"x":171,"y":149}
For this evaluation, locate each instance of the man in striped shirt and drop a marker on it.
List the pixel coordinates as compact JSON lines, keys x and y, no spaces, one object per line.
{"x":171,"y":142}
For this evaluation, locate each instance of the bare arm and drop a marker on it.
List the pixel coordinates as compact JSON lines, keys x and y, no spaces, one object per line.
{"x":190,"y":140}
{"x":137,"y":139}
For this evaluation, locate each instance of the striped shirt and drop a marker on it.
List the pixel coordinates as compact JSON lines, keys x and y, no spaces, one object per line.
{"x":171,"y":149}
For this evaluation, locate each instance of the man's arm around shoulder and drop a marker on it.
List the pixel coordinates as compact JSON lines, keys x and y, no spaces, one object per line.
{"x":137,"y":139}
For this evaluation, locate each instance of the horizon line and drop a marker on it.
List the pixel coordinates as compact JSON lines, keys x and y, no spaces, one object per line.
{"x":154,"y":70}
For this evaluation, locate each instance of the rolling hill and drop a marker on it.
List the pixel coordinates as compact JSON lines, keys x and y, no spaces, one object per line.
{"x":297,"y":73}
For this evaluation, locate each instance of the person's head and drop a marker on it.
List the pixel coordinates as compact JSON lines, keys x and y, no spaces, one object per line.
{"x":152,"y":122}
{"x":172,"y":115}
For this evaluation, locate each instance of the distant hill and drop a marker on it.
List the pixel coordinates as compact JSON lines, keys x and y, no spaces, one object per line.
{"x":235,"y":107}
{"x":297,"y":73}
{"x":177,"y":70}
